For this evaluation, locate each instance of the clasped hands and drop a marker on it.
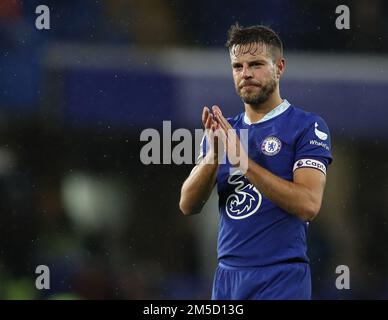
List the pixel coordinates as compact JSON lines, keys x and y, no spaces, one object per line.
{"x":218,"y":129}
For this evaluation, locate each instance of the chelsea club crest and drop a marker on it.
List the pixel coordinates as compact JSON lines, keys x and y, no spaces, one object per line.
{"x":271,"y":146}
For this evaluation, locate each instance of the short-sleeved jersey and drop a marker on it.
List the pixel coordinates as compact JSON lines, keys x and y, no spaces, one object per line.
{"x":253,"y":231}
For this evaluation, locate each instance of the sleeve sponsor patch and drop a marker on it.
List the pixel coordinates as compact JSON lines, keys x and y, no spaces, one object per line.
{"x":310,"y":163}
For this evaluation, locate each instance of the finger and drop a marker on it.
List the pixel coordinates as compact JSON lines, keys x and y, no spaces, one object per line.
{"x":218,"y":113}
{"x":210,"y":135}
{"x":223,"y":121}
{"x":209,"y":121}
{"x":218,"y":119}
{"x":216,"y":108}
{"x":205,"y":114}
{"x":224,"y":139}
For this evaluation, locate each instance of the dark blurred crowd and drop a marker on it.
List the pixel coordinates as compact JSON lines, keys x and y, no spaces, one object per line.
{"x":304,"y":25}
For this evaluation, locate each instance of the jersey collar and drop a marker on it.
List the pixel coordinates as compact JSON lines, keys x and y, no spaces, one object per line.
{"x":273,"y":113}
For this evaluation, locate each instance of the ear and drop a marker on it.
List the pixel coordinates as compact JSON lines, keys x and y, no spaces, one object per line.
{"x":280,"y":67}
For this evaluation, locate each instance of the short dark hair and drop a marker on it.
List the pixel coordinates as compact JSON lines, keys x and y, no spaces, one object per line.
{"x":238,"y":35}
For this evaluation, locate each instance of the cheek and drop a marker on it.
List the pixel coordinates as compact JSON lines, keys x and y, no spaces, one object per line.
{"x":263,"y":74}
{"x":236,"y":77}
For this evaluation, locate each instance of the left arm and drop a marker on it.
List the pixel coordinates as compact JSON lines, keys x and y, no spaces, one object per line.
{"x":301,"y":197}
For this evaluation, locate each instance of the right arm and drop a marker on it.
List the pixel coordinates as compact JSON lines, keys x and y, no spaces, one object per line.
{"x":198,"y":186}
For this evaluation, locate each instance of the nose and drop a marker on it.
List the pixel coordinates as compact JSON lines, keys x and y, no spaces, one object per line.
{"x":246,"y":72}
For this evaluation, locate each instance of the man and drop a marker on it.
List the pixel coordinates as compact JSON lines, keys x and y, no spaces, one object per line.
{"x":266,"y":206}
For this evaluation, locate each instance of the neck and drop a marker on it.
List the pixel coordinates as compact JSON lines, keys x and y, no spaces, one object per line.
{"x":257,"y":112}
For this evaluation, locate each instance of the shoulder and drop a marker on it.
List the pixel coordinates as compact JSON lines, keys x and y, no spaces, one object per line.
{"x":312,"y":134}
{"x":305,"y":119}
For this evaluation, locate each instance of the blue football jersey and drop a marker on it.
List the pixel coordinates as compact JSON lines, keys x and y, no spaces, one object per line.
{"x":253,"y":231}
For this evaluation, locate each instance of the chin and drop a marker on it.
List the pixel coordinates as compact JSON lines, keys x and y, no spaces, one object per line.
{"x":254,"y":100}
{"x":250,"y":97}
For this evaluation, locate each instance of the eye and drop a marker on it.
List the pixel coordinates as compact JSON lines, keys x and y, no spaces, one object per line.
{"x":256,"y":64}
{"x":237,"y":66}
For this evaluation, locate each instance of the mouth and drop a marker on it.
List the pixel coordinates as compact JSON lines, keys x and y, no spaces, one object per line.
{"x":246,"y":84}
{"x":249,"y":86}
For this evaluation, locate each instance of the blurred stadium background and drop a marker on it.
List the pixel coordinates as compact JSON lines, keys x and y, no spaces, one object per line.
{"x":73,"y":102}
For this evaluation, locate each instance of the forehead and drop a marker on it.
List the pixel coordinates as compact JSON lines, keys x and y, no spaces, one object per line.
{"x":249,"y":51}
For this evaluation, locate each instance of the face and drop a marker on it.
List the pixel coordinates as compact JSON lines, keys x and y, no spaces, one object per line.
{"x":255,"y":74}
